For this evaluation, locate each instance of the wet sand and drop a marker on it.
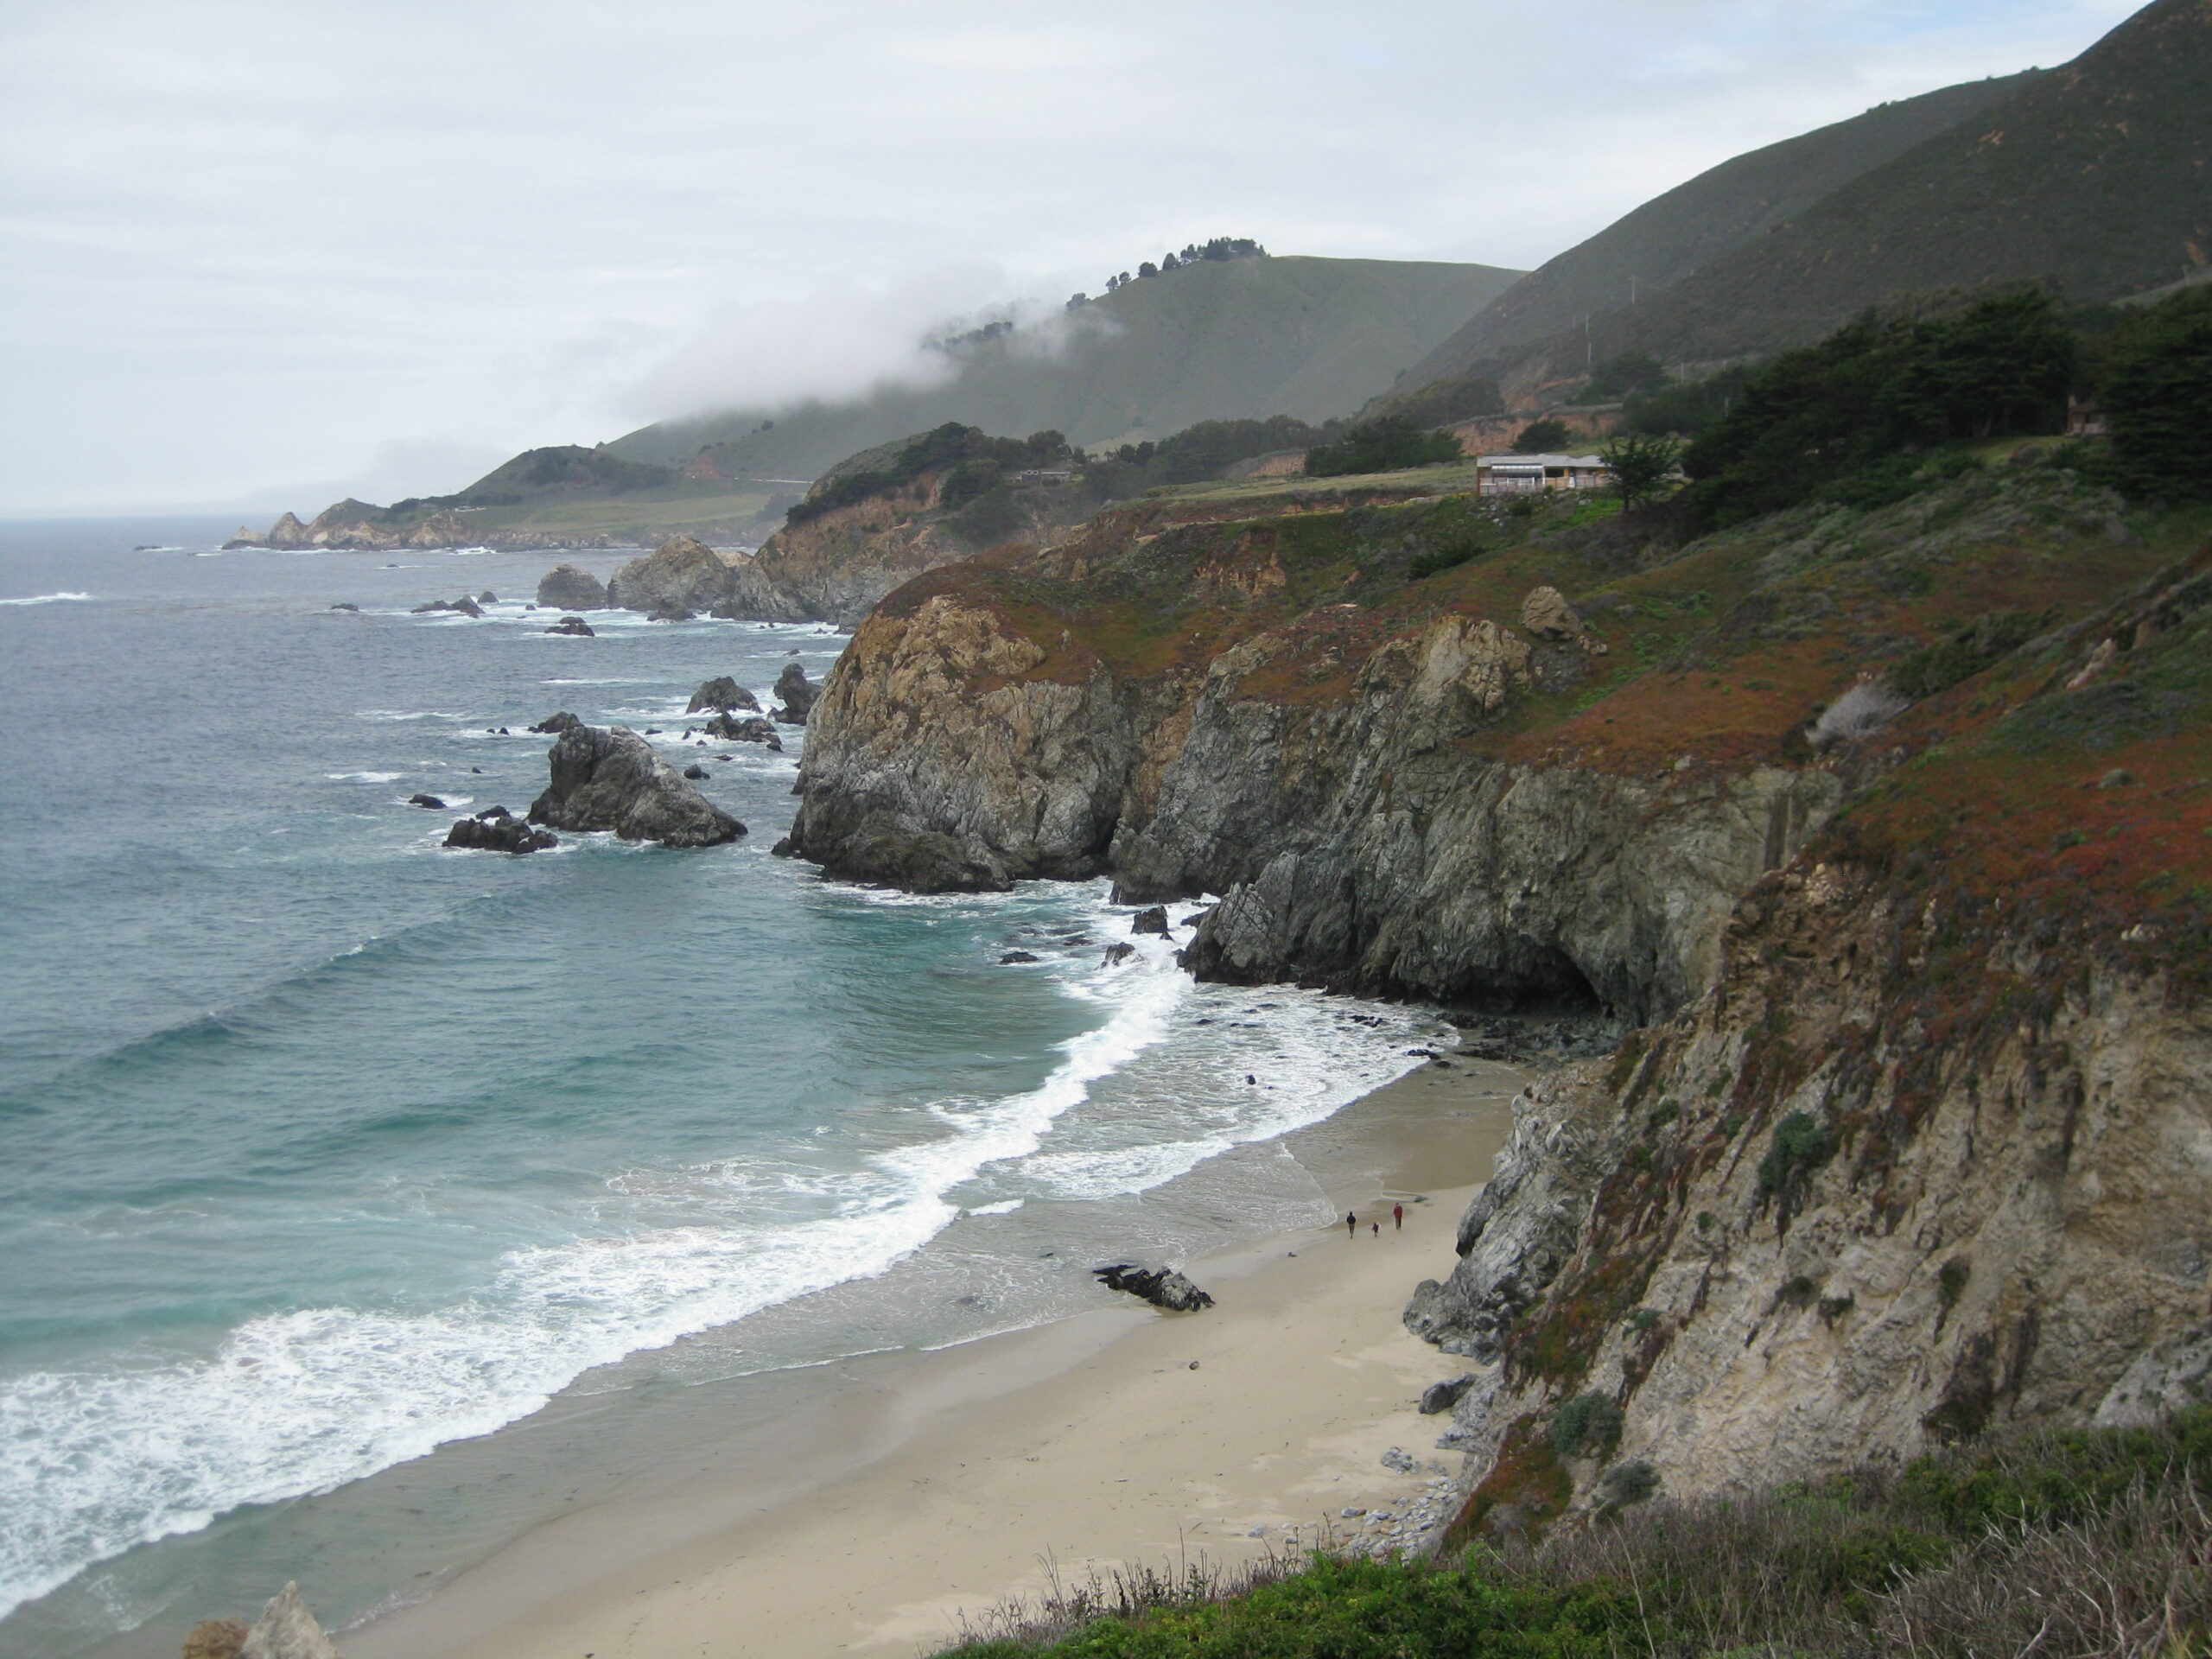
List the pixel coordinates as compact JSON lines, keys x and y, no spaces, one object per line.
{"x":914,"y":1490}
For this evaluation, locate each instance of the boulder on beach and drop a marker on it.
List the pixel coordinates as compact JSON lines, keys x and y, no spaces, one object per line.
{"x":721,"y":695}
{"x":570,"y":587}
{"x":575,"y":627}
{"x":554,"y":725}
{"x":431,"y":801}
{"x":743,"y":728}
{"x":609,"y":778}
{"x":498,"y":830}
{"x":797,"y":694}
{"x":286,"y":1630}
{"x":1150,"y":921}
{"x":1161,"y":1286}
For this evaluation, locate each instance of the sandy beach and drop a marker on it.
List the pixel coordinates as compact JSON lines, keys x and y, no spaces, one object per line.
{"x":869,"y":1521}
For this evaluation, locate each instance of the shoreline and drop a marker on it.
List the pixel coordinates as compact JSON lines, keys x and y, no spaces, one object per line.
{"x":910,"y":1488}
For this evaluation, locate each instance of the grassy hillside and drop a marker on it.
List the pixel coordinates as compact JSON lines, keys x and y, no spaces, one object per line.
{"x":1310,"y":337}
{"x":2096,"y":179}
{"x":1715,"y":212}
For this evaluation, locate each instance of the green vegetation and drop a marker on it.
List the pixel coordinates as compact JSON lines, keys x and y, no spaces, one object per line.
{"x":1456,"y":397}
{"x":1683,"y":407}
{"x":1801,"y":1144}
{"x":1541,"y":437}
{"x":1973,"y":646}
{"x":1588,"y":1426}
{"x":2154,"y":375}
{"x":975,"y":463}
{"x":1617,"y":377}
{"x":2084,"y":1542}
{"x":1195,"y":454}
{"x":1850,"y":419}
{"x":1642,"y":466}
{"x":1385,"y":444}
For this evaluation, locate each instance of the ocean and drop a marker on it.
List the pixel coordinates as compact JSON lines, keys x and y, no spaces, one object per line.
{"x":327,"y":1155}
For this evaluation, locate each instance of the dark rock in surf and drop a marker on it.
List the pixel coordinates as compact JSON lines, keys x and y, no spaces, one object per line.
{"x":1161,"y":1286}
{"x":502,"y":834}
{"x":798,"y":694}
{"x":554,"y":725}
{"x":749,"y":729}
{"x":698,"y":774}
{"x":430,"y":801}
{"x":569,"y":587}
{"x":341,"y":606}
{"x":575,"y":626}
{"x":1150,"y":921}
{"x":488,"y":597}
{"x":720,"y":695}
{"x":609,"y":778}
{"x":1118,"y":952}
{"x":1017,"y":956}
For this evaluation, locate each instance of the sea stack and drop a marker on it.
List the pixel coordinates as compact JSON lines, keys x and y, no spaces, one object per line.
{"x":609,"y":778}
{"x":570,"y":587}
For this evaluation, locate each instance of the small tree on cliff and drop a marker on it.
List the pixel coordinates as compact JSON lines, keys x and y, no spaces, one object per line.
{"x":1641,"y":466}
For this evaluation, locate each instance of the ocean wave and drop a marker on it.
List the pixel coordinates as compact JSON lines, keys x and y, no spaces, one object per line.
{"x":50,"y":599}
{"x":304,"y":1401}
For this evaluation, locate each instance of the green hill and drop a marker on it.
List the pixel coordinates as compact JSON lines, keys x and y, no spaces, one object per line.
{"x":2095,"y":179}
{"x":1715,"y":212}
{"x":1221,"y":339}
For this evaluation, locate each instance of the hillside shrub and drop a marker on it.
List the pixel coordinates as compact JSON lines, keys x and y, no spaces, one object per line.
{"x":1385,"y":444}
{"x":1874,"y":394}
{"x":2156,"y":387}
{"x":947,"y":447}
{"x":1801,"y":1144}
{"x":1588,"y":1426}
{"x":1197,"y":453}
{"x":1457,"y":398}
{"x":1972,"y":648}
{"x":1542,"y":437}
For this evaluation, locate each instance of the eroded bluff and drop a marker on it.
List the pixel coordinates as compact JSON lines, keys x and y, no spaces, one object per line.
{"x":1932,"y":1157}
{"x":1198,"y":702}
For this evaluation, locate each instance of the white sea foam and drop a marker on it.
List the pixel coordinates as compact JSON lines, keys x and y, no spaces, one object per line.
{"x":92,"y":1464}
{"x":48,"y":599}
{"x":363,"y":777}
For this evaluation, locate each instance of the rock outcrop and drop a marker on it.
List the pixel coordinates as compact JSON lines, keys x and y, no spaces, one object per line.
{"x":745,"y":728}
{"x":570,"y":587}
{"x":609,"y":778}
{"x":286,"y":1630}
{"x":215,"y":1638}
{"x":1933,"y":1156}
{"x":574,"y":626}
{"x":556,"y":723}
{"x":680,"y":577}
{"x":722,"y":695}
{"x":498,"y":830}
{"x":1161,"y":1286}
{"x":796,"y":693}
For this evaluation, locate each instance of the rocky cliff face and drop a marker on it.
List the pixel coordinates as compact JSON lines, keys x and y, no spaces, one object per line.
{"x":1455,"y":784}
{"x":1934,"y":1153}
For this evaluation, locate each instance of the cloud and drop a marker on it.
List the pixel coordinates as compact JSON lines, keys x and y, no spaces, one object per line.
{"x":248,"y":239}
{"x":829,"y":343}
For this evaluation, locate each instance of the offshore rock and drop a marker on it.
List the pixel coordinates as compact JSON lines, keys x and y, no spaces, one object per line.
{"x":1161,"y":1286}
{"x":798,"y":694}
{"x":554,"y":724}
{"x":751,"y":728}
{"x":609,"y":778}
{"x":575,"y":626}
{"x":286,"y":1631}
{"x":680,"y":575}
{"x":498,"y":831}
{"x":722,"y":694}
{"x":1153,"y":921}
{"x":426,"y":800}
{"x":570,"y":587}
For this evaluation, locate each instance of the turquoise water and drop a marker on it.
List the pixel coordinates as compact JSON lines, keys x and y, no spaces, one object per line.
{"x":322,"y":1148}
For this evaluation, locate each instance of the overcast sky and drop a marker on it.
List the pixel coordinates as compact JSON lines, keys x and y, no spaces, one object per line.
{"x":265,"y":251}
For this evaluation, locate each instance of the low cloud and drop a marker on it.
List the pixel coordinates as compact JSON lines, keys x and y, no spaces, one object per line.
{"x":834,"y":343}
{"x":398,"y":468}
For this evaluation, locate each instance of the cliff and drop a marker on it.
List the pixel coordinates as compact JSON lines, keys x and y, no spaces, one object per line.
{"x":1406,"y":779}
{"x":1933,"y":1156}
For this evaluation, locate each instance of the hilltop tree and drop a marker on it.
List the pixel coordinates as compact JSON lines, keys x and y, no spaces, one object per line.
{"x":2157,"y":391}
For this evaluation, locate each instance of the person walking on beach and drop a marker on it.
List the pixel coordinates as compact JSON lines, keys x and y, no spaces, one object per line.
{"x":1376,"y":1227}
{"x":1398,"y":1217}
{"x":1351,"y":1225}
